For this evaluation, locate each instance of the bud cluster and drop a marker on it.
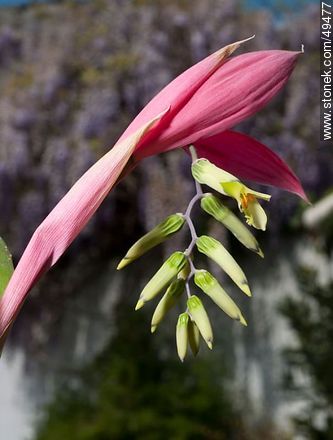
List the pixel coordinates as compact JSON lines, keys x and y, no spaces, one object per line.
{"x":174,"y":276}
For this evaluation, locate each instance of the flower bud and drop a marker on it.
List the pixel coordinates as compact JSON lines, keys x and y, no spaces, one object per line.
{"x":182,"y":335}
{"x":193,"y":337}
{"x":200,"y":317}
{"x":160,"y":233}
{"x":168,"y":300}
{"x":218,"y":253}
{"x":209,"y":174}
{"x":214,"y":290}
{"x":213,"y":206}
{"x":162,"y":278}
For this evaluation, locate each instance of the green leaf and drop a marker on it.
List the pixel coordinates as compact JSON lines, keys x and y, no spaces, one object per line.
{"x":6,"y":266}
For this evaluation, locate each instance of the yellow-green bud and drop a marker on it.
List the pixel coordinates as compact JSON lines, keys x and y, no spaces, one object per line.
{"x":182,"y":335}
{"x":218,"y":253}
{"x":193,"y":337}
{"x":207,"y":173}
{"x":162,"y":278}
{"x":160,"y":233}
{"x":200,"y":317}
{"x":168,"y":300}
{"x":214,"y":207}
{"x":214,"y":290}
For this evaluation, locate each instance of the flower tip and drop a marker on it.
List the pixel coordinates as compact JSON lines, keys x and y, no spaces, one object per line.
{"x":260,"y":252}
{"x":306,"y":199}
{"x":139,"y":304}
{"x":226,"y":51}
{"x":210,"y":344}
{"x":246,"y":289}
{"x":124,"y":262}
{"x":153,"y":328}
{"x":242,"y":320}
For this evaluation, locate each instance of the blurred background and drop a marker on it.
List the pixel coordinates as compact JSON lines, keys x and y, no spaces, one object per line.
{"x":79,"y":363}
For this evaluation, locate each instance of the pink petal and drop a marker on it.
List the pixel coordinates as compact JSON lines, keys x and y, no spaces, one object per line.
{"x":178,"y":92}
{"x":248,"y":159}
{"x":64,"y":223}
{"x":236,"y":90}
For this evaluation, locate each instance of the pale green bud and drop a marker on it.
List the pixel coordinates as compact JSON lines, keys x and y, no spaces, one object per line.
{"x":218,"y":253}
{"x":182,"y":335}
{"x":193,"y":337}
{"x":168,"y":300}
{"x":214,"y":290}
{"x":207,"y":173}
{"x":162,"y":278}
{"x":160,"y":233}
{"x":213,"y":206}
{"x":200,"y":317}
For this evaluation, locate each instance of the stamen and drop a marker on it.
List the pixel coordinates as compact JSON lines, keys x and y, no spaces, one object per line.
{"x":246,"y":199}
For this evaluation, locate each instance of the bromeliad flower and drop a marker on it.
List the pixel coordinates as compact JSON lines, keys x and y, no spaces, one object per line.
{"x":225,"y":183}
{"x":198,"y":108}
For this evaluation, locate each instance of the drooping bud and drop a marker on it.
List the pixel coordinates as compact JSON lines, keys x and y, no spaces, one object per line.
{"x":217,"y":252}
{"x":182,"y":335}
{"x":168,"y":300}
{"x":200,"y":317}
{"x":214,"y":290}
{"x":162,"y":278}
{"x":193,"y":337}
{"x":209,"y":174}
{"x":160,"y":233}
{"x":214,"y":207}
{"x":247,"y":203}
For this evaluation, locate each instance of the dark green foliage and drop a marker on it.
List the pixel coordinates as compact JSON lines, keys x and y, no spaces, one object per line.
{"x":311,"y":318}
{"x":6,"y":266}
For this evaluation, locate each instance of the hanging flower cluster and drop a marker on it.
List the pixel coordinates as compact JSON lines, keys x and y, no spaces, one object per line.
{"x":176,"y":273}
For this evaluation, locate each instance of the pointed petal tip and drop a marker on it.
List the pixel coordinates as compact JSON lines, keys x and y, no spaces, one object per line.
{"x":124,"y":262}
{"x":226,"y":51}
{"x":139,"y":304}
{"x":210,"y":344}
{"x":153,"y":328}
{"x":305,"y":197}
{"x":246,"y":289}
{"x":242,"y":320}
{"x":299,"y":191}
{"x":260,"y":252}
